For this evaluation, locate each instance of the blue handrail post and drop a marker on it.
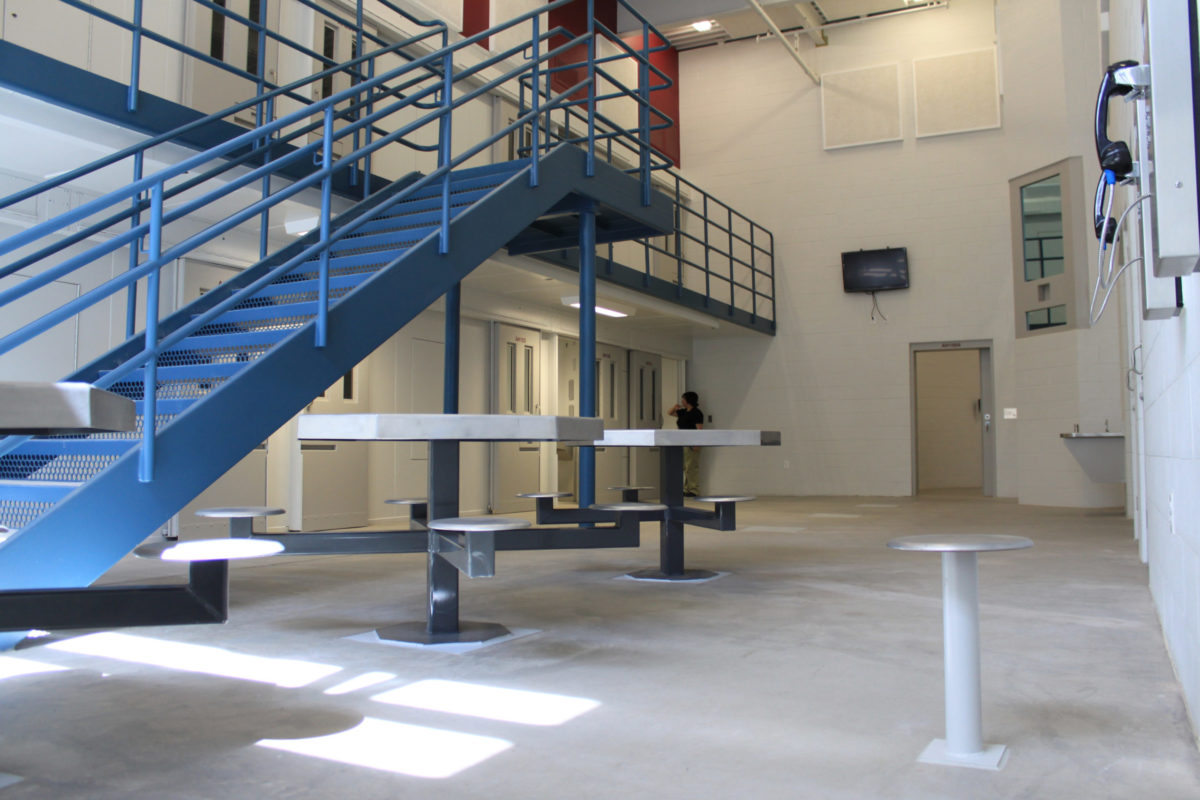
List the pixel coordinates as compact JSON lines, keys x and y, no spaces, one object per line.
{"x":150,"y":372}
{"x":678,"y":244}
{"x":367,"y":143}
{"x":707,"y":256}
{"x":135,"y":248}
{"x":355,"y":79}
{"x":753,"y":278}
{"x":264,"y":225}
{"x":644,"y":114}
{"x":587,"y":346}
{"x":135,"y":61}
{"x":591,"y":102}
{"x":732,"y":284}
{"x":260,"y":60}
{"x":444,"y":143}
{"x":451,"y":356}
{"x":535,"y":142}
{"x":322,"y":329}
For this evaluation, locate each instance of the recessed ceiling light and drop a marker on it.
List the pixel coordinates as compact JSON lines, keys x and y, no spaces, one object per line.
{"x":573,"y":302}
{"x":703,"y":26}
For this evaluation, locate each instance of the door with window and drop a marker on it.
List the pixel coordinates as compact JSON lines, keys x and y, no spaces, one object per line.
{"x":645,"y":411}
{"x":229,"y":40}
{"x":610,"y":372}
{"x":516,"y":466}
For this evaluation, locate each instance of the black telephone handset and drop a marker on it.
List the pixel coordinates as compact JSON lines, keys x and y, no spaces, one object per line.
{"x":1114,"y":156}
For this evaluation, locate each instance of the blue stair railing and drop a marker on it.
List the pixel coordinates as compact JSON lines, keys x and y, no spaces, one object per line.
{"x":716,"y":255}
{"x":185,"y":361}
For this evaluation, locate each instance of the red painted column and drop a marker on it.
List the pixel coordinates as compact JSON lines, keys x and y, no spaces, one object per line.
{"x":666,"y":100}
{"x":574,"y":18}
{"x":476,"y":18}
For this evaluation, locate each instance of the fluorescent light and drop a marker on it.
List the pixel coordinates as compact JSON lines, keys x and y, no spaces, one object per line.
{"x":282,"y":672}
{"x":605,"y":311}
{"x":703,"y":26}
{"x":489,"y":702}
{"x":396,"y":747}
{"x":221,"y":549}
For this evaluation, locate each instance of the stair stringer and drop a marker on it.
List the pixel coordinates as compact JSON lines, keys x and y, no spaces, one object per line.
{"x":96,"y":525}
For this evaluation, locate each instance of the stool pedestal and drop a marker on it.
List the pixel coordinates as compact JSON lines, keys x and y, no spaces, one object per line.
{"x":963,"y":745}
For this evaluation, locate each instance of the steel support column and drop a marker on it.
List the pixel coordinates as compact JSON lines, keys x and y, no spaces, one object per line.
{"x":453,"y":349}
{"x":587,"y":347}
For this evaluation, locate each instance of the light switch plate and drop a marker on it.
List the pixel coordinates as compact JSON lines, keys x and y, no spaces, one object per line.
{"x":1010,"y":413}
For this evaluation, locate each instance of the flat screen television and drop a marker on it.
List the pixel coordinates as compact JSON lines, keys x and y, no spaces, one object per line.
{"x":875,"y":270}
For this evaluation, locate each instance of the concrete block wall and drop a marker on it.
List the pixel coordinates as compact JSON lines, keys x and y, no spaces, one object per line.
{"x":836,"y":383}
{"x":1170,"y":363}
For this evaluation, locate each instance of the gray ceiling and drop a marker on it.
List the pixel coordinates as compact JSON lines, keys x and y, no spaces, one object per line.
{"x":736,"y":19}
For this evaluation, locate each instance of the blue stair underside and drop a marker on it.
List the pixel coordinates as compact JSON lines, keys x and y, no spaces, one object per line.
{"x":76,"y":501}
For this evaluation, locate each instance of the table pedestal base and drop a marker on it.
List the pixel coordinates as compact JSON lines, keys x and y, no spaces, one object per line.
{"x":659,"y":575}
{"x":992,"y":756}
{"x":468,"y":633}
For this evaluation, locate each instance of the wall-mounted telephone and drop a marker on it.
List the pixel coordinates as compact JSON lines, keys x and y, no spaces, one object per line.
{"x":1115,"y":158}
{"x":1112,"y":155}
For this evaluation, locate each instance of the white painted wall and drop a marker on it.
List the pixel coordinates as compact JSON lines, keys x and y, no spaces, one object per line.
{"x":833,"y":381}
{"x":1171,"y":387}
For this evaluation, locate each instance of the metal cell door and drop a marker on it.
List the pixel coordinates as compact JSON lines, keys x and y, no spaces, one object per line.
{"x":211,"y":88}
{"x":645,"y":411}
{"x":517,"y":390}
{"x":612,"y":405}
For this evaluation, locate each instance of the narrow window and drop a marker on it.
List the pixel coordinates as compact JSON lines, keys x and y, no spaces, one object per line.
{"x":612,"y":391}
{"x":528,"y":380}
{"x":512,"y":377}
{"x":654,"y":394}
{"x":252,"y":38}
{"x":348,"y":386}
{"x":328,"y":50}
{"x":216,"y":41}
{"x":641,"y":394}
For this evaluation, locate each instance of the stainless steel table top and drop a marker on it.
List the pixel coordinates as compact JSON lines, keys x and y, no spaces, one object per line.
{"x":65,"y":407}
{"x":665,"y":437}
{"x":961,"y":543}
{"x":449,"y":427}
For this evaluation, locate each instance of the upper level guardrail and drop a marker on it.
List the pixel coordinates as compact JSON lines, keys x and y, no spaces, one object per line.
{"x":715,"y":251}
{"x":423,"y":86}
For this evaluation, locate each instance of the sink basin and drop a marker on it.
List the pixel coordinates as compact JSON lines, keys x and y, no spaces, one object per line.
{"x":1102,"y":455}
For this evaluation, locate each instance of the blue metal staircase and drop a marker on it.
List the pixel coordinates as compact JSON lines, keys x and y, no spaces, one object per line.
{"x":214,"y":379}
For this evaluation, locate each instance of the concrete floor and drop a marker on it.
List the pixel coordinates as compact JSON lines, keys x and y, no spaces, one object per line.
{"x":812,"y":670}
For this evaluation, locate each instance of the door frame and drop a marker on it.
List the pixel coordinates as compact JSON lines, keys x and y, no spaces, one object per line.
{"x":987,"y":394}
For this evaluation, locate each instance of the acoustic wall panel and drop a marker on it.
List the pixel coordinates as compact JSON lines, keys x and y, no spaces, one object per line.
{"x":956,"y":93}
{"x":861,"y":106}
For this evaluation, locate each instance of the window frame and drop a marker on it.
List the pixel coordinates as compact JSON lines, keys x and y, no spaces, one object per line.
{"x":1070,"y":287}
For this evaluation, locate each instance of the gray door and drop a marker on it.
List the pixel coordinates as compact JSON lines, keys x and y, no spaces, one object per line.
{"x":611,"y":372}
{"x":645,"y":411}
{"x":517,"y":390}
{"x":953,"y":419}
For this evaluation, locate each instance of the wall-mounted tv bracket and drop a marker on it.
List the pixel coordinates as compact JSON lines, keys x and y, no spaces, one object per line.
{"x":1162,"y":294}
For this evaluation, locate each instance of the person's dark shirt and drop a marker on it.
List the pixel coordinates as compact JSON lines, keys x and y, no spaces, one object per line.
{"x":688,"y":419}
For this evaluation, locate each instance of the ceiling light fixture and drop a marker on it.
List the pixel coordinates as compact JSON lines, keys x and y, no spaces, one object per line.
{"x":573,"y":302}
{"x":703,"y":26}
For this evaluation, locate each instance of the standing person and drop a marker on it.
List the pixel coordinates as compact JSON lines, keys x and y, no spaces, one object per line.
{"x":689,"y":417}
